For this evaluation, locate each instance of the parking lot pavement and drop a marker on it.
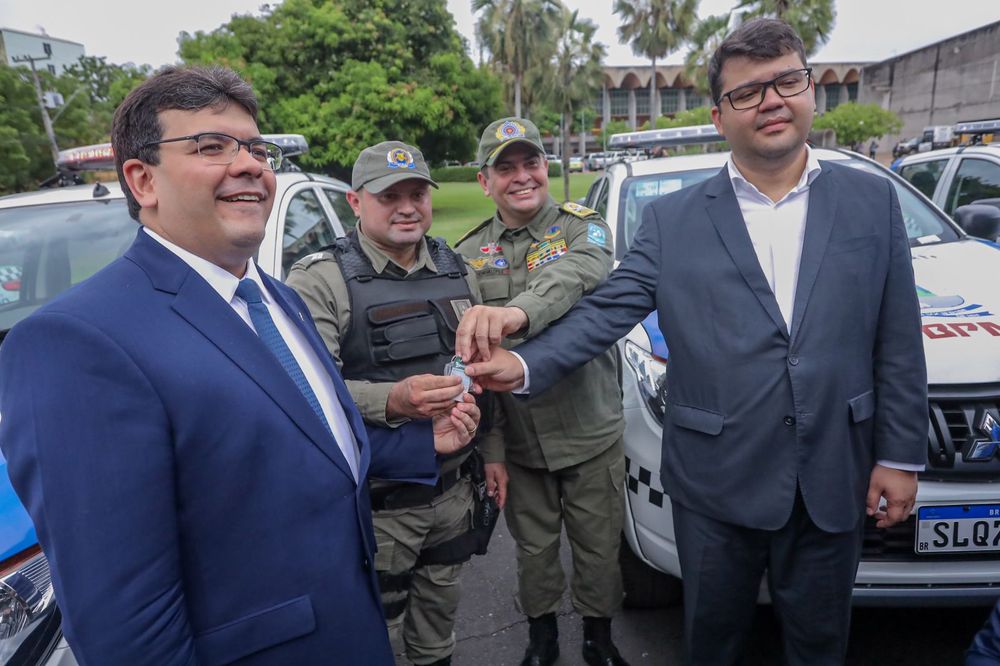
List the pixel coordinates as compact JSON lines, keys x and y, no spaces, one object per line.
{"x":491,"y":631}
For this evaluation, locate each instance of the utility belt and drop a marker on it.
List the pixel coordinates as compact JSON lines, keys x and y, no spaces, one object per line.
{"x":407,"y":495}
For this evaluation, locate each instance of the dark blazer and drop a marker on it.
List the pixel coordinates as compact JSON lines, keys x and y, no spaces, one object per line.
{"x":752,"y":411}
{"x":192,"y":506}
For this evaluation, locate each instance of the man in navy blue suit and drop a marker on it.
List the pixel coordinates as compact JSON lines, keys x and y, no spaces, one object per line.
{"x":796,"y":390}
{"x":187,"y":450}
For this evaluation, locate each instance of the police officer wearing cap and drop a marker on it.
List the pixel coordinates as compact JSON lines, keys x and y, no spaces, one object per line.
{"x":387,"y":300}
{"x":563,"y":449}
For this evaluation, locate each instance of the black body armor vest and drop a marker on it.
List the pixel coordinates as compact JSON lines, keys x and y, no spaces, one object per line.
{"x":400,"y":326}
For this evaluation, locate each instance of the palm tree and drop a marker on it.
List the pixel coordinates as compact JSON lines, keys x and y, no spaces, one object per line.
{"x":705,"y":39}
{"x":655,"y":28}
{"x":812,"y":19}
{"x":516,"y":34}
{"x":574,"y":74}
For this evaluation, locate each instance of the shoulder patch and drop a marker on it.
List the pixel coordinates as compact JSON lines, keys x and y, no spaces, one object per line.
{"x":573,"y":208}
{"x":310,"y":259}
{"x":473,"y":230}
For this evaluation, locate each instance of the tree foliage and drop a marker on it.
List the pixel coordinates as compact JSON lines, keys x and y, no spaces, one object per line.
{"x":813,"y":20}
{"x":518,"y":36}
{"x":656,"y":28}
{"x":91,"y":90}
{"x":856,"y":123}
{"x":574,"y":72}
{"x":351,"y":73}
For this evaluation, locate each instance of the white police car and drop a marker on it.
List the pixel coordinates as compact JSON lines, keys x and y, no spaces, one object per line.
{"x":948,"y":552}
{"x":54,"y":238}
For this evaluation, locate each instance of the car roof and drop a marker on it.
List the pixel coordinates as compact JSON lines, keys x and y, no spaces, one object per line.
{"x":85,"y":192}
{"x":988,"y":149}
{"x":672,"y":164}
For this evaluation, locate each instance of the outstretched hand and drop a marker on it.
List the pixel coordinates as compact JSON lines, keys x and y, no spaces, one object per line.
{"x":503,"y":372}
{"x":483,"y":327}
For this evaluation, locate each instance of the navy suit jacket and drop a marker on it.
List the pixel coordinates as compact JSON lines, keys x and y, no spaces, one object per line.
{"x":754,"y":411}
{"x":193,"y":508}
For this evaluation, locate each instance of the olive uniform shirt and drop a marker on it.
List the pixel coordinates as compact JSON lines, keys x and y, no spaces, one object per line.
{"x":544,"y":268}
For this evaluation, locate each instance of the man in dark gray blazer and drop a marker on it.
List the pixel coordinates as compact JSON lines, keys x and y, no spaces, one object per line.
{"x":797,"y":396}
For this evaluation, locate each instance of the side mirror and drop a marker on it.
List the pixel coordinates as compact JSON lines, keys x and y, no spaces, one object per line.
{"x":980,"y":220}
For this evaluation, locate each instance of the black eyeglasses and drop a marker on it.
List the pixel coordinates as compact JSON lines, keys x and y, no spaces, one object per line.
{"x":219,"y":148}
{"x":751,"y":95}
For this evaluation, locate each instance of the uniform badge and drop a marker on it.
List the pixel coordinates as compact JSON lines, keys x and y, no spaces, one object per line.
{"x":546,"y":252}
{"x":552,"y":231}
{"x":596,"y":235}
{"x":510,"y":130}
{"x":491,"y":248}
{"x":460,"y":306}
{"x":398,"y":158}
{"x":478,"y":263}
{"x":500,"y":262}
{"x":573,"y":208}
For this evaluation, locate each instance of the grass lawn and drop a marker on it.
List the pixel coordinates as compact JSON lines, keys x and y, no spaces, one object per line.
{"x":460,"y":206}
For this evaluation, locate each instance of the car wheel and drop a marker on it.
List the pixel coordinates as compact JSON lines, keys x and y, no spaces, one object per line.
{"x":645,"y":587}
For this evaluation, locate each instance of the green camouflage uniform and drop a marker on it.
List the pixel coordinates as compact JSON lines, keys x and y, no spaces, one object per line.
{"x":563,"y":449}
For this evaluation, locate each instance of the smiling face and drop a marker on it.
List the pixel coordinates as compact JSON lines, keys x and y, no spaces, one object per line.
{"x":396,"y":218}
{"x":518,"y":182}
{"x":215,"y":211}
{"x":773,"y":133}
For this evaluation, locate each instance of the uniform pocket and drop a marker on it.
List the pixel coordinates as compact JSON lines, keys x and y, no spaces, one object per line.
{"x":495,"y":289}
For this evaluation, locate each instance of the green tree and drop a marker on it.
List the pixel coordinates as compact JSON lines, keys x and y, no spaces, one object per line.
{"x":813,"y":20}
{"x":574,"y":74}
{"x":25,"y":147}
{"x":612,"y":128}
{"x":655,"y":28}
{"x":856,"y":123}
{"x":517,"y":34}
{"x":350,"y":73}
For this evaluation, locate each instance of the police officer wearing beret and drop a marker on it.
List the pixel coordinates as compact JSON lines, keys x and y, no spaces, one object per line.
{"x":387,"y":300}
{"x":563,"y":449}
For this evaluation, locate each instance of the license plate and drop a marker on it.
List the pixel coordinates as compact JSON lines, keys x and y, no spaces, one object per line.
{"x":971,"y":528}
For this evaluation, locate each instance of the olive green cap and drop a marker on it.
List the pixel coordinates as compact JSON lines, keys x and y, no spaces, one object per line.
{"x":388,"y":163}
{"x":505,"y":132}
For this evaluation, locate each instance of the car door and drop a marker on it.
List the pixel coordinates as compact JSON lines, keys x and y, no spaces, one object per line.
{"x":925,"y":175}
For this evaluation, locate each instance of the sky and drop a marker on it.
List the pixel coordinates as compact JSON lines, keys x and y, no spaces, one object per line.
{"x":144,"y":31}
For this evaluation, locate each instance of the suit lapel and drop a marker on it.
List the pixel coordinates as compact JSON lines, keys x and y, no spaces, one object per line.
{"x":299,"y":315}
{"x":203,"y":308}
{"x":724,"y":211}
{"x":819,"y":223}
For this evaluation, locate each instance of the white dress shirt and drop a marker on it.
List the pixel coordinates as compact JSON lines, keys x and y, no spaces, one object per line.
{"x":225,"y":283}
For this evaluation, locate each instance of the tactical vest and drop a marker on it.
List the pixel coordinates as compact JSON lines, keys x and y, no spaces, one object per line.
{"x":400,"y":326}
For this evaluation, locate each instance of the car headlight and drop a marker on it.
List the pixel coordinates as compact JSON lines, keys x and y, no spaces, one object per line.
{"x":651,"y":372}
{"x":29,"y":618}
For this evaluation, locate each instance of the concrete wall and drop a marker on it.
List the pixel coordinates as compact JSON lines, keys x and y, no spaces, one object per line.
{"x":953,"y":80}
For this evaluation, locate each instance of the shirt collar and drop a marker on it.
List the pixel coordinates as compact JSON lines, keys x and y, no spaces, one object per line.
{"x":809,"y":174}
{"x":221,"y":280}
{"x":538,"y":224}
{"x":380,"y":260}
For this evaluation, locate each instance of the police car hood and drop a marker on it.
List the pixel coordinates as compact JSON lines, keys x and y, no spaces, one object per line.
{"x":959,"y":292}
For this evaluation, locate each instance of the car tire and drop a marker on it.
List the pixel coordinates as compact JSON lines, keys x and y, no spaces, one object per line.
{"x":645,"y":587}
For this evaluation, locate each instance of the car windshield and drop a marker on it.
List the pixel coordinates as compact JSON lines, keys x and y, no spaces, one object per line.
{"x":46,"y":249}
{"x":924,"y":223}
{"x":638,"y":191}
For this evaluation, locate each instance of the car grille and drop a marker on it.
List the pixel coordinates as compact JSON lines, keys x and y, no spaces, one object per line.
{"x":953,"y":411}
{"x":895,"y":544}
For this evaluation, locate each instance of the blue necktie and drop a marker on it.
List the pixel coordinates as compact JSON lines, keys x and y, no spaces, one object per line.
{"x":269,"y":335}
